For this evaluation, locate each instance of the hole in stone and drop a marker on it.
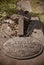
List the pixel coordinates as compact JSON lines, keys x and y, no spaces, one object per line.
{"x":26,"y":12}
{"x":35,"y":32}
{"x":38,"y":2}
{"x":4,"y":36}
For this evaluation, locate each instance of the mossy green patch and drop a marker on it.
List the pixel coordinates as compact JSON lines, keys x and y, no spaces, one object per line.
{"x":8,"y":6}
{"x":42,"y":18}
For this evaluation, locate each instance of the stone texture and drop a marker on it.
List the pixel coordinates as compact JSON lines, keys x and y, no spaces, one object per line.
{"x":24,"y":5}
{"x":21,"y":26}
{"x":22,"y":48}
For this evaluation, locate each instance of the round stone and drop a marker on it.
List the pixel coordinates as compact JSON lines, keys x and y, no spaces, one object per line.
{"x":22,"y":48}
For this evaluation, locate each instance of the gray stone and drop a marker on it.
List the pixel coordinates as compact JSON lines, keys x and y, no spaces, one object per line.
{"x":21,"y":27}
{"x":22,"y":48}
{"x":24,"y":5}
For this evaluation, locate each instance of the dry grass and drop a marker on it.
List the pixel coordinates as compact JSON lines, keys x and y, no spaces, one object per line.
{"x":38,"y":9}
{"x":37,"y":6}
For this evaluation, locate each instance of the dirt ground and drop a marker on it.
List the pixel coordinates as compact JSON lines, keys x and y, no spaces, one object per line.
{"x":5,"y":60}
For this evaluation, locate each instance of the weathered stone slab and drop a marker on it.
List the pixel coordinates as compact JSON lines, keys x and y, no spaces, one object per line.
{"x":21,"y":26}
{"x":22,"y":48}
{"x":24,"y":5}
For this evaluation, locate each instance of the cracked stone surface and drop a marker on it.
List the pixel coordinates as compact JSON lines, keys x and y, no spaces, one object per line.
{"x":22,"y":47}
